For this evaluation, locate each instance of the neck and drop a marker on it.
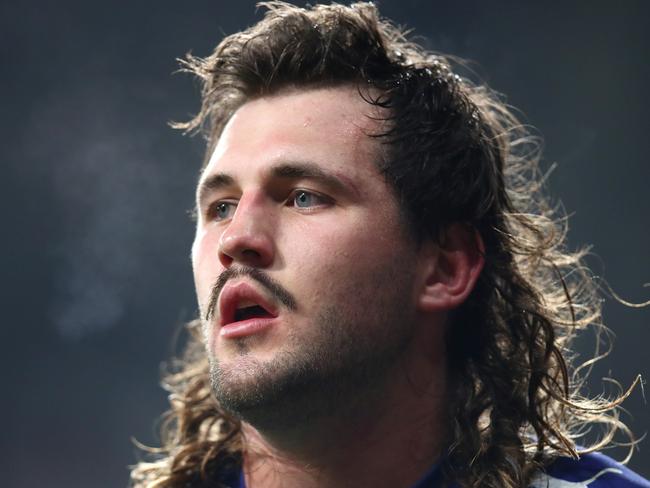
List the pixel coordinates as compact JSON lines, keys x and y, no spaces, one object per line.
{"x":395,"y":433}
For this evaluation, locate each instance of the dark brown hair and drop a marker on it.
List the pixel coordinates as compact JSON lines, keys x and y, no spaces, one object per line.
{"x":454,"y":153}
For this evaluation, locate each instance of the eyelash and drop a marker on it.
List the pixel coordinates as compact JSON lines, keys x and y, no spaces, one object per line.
{"x":322,"y":200}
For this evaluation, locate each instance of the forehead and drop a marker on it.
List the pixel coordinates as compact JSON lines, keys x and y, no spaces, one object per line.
{"x":329,"y":127}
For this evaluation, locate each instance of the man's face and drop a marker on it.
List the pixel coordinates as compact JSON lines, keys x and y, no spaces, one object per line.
{"x":316,"y":291}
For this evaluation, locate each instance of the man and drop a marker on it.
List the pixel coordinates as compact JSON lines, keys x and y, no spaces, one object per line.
{"x":384,"y":296}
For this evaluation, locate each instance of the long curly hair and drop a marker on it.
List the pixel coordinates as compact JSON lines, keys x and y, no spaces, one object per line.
{"x":454,"y":152}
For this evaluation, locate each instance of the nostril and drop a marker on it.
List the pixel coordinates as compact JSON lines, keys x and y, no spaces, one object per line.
{"x":225,"y":259}
{"x":250,"y":253}
{"x":251,"y":257}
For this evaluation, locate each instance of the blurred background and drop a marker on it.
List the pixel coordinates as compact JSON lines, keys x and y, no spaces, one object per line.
{"x":96,"y":189}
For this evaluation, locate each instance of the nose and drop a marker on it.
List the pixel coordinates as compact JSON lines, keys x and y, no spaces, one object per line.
{"x":247,"y":239}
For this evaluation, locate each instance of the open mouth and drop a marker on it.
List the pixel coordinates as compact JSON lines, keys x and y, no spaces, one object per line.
{"x":251,"y":312}
{"x":244,"y":311}
{"x":241,"y":302}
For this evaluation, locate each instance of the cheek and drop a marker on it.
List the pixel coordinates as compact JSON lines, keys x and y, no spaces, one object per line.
{"x":205,"y":262}
{"x":340,"y":260}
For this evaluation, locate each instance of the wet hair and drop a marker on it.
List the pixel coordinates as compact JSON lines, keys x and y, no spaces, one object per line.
{"x":453,"y":152}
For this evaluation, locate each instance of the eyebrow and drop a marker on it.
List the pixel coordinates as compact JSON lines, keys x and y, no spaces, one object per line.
{"x":290,"y":171}
{"x":307,"y":170}
{"x":212,"y":184}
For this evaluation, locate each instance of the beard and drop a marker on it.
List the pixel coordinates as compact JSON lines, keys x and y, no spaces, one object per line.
{"x":343,"y":357}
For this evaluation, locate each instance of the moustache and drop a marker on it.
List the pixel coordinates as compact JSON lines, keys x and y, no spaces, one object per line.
{"x":277,"y":291}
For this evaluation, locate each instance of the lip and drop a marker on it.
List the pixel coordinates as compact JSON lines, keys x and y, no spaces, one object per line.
{"x":246,"y":327}
{"x":231,"y":296}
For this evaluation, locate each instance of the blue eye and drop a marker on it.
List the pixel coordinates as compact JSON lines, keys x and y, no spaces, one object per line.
{"x":222,"y":210}
{"x":305,"y":199}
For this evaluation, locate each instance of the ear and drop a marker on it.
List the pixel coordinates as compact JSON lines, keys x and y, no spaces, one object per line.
{"x":452,"y":268}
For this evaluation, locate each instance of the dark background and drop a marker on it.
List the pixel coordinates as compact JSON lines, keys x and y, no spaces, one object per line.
{"x":96,"y":188}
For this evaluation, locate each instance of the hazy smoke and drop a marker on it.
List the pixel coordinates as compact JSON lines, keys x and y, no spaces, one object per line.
{"x":104,"y":173}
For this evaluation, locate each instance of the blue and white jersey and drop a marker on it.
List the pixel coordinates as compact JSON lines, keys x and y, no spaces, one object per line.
{"x":592,"y":470}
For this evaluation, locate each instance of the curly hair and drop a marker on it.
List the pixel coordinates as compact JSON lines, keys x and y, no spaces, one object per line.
{"x":454,"y":153}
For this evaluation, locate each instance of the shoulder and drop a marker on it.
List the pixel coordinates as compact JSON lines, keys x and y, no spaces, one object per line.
{"x":593,"y":470}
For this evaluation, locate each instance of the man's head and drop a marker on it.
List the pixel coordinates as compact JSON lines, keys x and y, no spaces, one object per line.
{"x":333,"y":91}
{"x":321,"y":106}
{"x":356,"y":192}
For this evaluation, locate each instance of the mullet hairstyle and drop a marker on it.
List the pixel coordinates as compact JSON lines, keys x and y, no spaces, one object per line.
{"x":453,"y":153}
